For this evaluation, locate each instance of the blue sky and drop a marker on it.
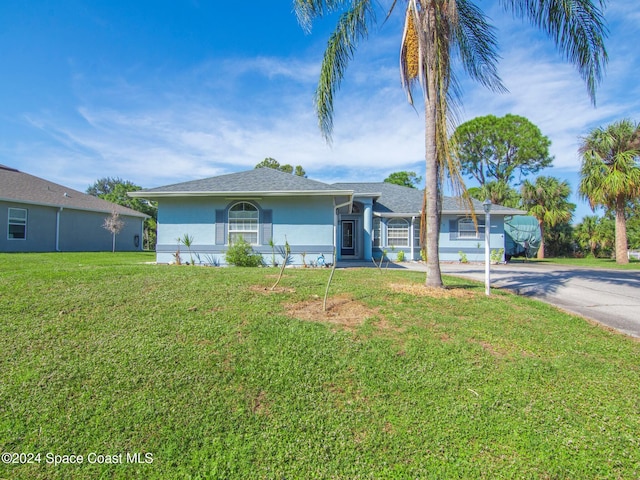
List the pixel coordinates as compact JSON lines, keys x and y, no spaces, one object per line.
{"x":160,"y":92}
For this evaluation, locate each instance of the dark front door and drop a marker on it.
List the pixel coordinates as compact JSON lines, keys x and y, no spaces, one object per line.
{"x":347,"y":246}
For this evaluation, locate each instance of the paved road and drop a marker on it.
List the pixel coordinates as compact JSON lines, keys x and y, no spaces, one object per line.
{"x":610,"y":297}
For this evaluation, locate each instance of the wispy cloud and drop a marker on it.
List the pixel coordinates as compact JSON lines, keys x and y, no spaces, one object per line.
{"x":163,"y":127}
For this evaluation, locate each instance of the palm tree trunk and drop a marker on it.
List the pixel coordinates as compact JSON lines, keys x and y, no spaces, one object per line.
{"x":434,"y":275}
{"x":541,"y":249}
{"x":621,"y":233}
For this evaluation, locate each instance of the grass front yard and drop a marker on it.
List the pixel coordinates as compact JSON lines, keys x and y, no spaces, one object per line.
{"x":591,"y":262}
{"x":155,"y":371}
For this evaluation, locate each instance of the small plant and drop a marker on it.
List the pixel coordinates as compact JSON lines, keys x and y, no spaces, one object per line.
{"x":326,"y":291}
{"x":272,"y":244}
{"x":496,"y":255}
{"x":114,"y":225}
{"x":209,"y":260}
{"x":241,"y":254}
{"x":463,"y":257}
{"x":287,"y":251}
{"x":176,"y":257}
{"x":304,"y":262}
{"x":382,"y":258}
{"x":400,"y":256}
{"x":187,"y":241}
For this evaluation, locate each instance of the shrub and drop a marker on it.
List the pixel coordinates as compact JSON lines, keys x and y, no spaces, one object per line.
{"x":241,"y":254}
{"x":400,"y":256}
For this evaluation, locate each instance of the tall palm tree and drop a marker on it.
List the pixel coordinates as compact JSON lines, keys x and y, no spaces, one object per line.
{"x":433,"y":31}
{"x":548,"y":200}
{"x":610,"y":173}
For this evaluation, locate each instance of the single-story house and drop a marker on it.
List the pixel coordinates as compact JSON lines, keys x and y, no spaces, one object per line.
{"x":41,"y":216}
{"x":267,"y":207}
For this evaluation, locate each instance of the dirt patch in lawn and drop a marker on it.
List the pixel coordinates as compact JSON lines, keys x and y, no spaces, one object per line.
{"x":422,"y":290}
{"x":267,"y":290}
{"x":342,"y":311}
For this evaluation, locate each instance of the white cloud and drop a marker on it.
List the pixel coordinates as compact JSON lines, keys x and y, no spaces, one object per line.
{"x":226,"y":115}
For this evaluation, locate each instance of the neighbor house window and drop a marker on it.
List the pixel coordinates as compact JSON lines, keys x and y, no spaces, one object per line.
{"x":243,"y":223}
{"x":17,"y":224}
{"x":398,"y":233}
{"x":467,"y":229}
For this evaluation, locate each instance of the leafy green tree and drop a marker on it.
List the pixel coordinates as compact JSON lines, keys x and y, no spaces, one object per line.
{"x":497,"y":149}
{"x":560,"y":240}
{"x":548,"y":200}
{"x":610,"y":174}
{"x":275,"y":165}
{"x":432,"y":30}
{"x":114,"y":190}
{"x":498,"y":192}
{"x":606,"y":235}
{"x":633,"y":225}
{"x":406,"y":179}
{"x":299,"y":171}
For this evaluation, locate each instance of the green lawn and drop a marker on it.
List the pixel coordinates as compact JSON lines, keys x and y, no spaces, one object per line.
{"x":591,"y":262}
{"x":202,"y":373}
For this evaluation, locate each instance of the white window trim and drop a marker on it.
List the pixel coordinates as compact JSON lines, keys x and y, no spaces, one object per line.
{"x":245,"y":232}
{"x":13,"y":220}
{"x":470,"y":233}
{"x":401,"y":232}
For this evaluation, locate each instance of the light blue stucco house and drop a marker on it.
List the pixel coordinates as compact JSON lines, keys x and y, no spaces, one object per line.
{"x":263,"y":206}
{"x":37,"y":215}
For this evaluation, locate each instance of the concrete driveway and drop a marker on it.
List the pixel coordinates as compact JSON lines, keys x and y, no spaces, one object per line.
{"x":610,"y":297}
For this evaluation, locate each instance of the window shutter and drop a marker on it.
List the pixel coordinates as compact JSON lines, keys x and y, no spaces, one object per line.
{"x":267,"y":226}
{"x":453,"y":229}
{"x":221,"y":227}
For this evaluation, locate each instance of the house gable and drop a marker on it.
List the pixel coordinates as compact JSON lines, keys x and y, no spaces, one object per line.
{"x":41,"y":216}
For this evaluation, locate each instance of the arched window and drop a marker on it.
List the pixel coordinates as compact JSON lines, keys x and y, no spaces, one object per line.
{"x":243,"y":223}
{"x":398,"y":233}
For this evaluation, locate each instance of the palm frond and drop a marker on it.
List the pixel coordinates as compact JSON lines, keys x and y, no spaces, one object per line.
{"x":351,"y":28}
{"x":308,"y":10}
{"x":578,"y":29}
{"x":478,"y":47}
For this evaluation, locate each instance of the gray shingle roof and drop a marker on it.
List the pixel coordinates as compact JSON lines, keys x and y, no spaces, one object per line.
{"x":19,"y":187}
{"x":390,"y":198}
{"x":396,"y":199}
{"x":256,"y":181}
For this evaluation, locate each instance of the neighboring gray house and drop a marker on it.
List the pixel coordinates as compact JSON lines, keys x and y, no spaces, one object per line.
{"x":361,"y":220}
{"x":41,"y":216}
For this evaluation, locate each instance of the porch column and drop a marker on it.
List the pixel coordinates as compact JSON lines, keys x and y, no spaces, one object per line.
{"x":412,"y":236}
{"x":367,"y":227}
